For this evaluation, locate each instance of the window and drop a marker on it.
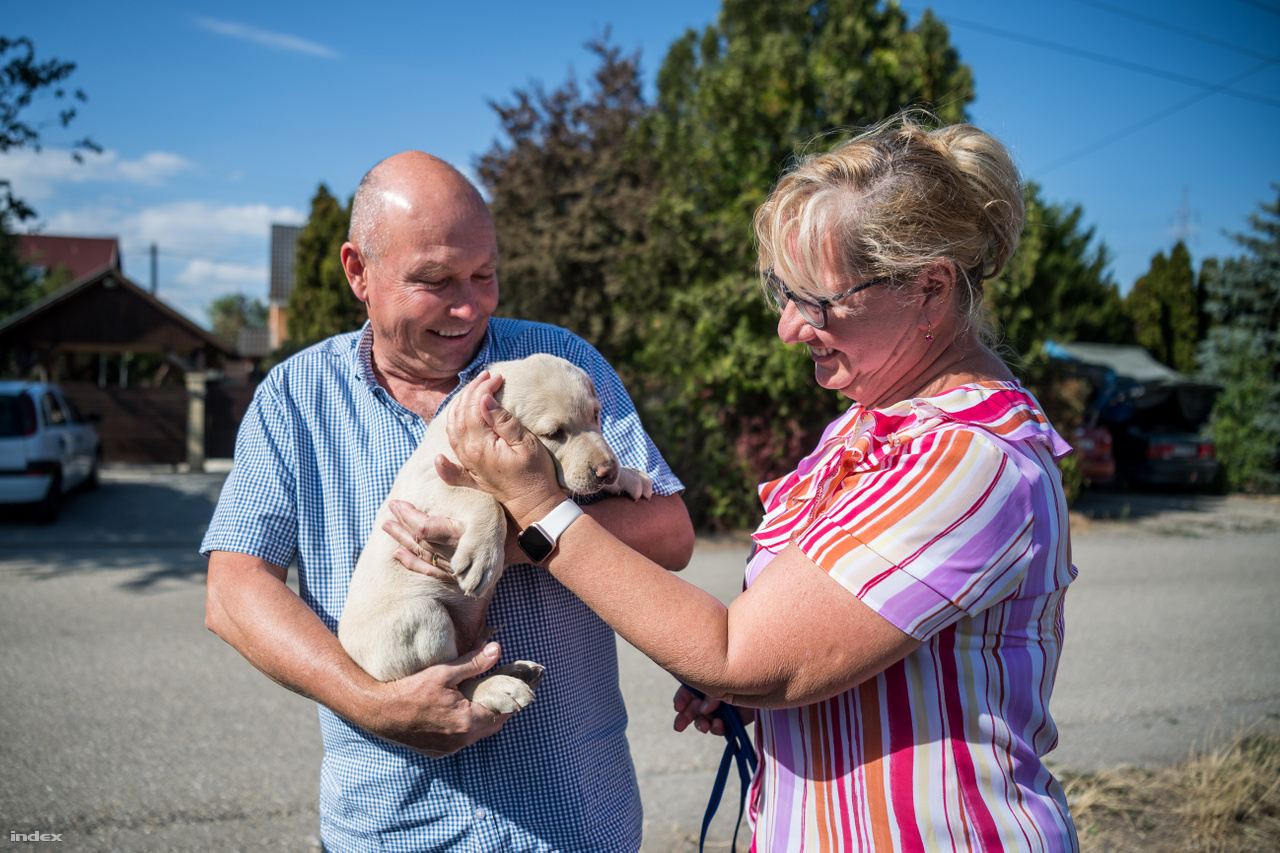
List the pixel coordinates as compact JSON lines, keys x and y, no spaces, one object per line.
{"x":53,"y":414}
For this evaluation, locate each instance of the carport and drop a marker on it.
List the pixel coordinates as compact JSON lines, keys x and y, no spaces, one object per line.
{"x":1151,"y":410}
{"x":156,"y":380}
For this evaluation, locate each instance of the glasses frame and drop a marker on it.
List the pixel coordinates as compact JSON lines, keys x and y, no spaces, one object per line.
{"x":807,"y":307}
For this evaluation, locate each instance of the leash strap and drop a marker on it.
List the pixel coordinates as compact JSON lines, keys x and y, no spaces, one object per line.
{"x":738,"y":750}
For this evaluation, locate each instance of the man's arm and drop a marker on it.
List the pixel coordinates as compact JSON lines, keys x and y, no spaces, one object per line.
{"x":250,"y":607}
{"x":659,"y":528}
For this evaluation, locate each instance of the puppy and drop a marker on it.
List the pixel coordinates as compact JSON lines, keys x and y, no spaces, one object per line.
{"x":397,"y":622}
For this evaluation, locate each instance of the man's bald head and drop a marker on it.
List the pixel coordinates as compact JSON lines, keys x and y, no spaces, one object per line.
{"x":410,"y":182}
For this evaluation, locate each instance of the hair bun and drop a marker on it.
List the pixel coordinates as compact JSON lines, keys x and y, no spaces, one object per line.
{"x":994,"y":188}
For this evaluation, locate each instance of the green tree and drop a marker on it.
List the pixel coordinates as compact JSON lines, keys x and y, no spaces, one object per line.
{"x":727,"y":402}
{"x":321,"y":303}
{"x":1164,"y":308}
{"x":17,"y":290}
{"x":22,"y":80}
{"x":1057,"y":286}
{"x":233,"y":312}
{"x":1242,"y":354}
{"x":569,"y":191}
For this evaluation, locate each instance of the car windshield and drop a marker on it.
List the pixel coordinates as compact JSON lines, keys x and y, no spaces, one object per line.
{"x":11,"y":416}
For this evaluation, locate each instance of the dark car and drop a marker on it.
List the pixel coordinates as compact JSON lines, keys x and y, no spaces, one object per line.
{"x":1157,"y":456}
{"x":1154,"y":413}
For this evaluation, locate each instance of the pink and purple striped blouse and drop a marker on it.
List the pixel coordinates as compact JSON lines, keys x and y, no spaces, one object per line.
{"x":946,"y":516}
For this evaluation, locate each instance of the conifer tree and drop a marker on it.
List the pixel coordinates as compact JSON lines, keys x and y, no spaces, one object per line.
{"x":1242,"y":354}
{"x":1057,"y":286}
{"x":1164,"y":308}
{"x":321,"y":303}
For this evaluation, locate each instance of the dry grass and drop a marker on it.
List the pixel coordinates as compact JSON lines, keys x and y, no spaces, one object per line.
{"x":1227,"y":801}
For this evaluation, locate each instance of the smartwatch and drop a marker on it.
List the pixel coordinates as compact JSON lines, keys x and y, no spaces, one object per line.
{"x":539,"y":539}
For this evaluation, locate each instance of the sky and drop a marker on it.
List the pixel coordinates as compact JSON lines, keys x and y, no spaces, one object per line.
{"x":1160,"y":119}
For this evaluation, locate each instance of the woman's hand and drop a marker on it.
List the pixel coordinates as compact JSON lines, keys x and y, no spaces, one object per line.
{"x":498,"y":455}
{"x":694,"y":709}
{"x":691,"y":708}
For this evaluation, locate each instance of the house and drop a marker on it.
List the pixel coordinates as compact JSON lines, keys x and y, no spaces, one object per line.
{"x":284,"y":254}
{"x":43,"y":254}
{"x":151,"y":375}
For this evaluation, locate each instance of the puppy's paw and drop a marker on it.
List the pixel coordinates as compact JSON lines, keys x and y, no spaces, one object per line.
{"x":632,"y":483}
{"x":506,"y":689}
{"x":476,"y":568}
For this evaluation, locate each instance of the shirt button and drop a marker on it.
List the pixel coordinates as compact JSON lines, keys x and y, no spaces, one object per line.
{"x":482,"y":814}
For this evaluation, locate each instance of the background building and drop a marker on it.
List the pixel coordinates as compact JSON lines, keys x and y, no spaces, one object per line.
{"x":284,"y":255}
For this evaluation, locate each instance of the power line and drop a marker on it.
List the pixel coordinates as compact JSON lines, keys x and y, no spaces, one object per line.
{"x":1182,"y":31}
{"x":1109,"y":60}
{"x":186,"y":256}
{"x":1152,"y":119}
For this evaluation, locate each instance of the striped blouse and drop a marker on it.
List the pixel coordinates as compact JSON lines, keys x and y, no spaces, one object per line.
{"x":946,"y":516}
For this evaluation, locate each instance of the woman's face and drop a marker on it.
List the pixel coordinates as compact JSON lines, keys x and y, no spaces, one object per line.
{"x":869,"y":345}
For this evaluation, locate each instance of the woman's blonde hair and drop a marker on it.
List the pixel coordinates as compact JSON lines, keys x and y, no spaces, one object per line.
{"x":891,"y":202}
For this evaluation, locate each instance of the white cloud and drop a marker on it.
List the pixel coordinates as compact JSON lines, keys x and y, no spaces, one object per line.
{"x":206,"y":250}
{"x":34,"y":174}
{"x":182,"y":227}
{"x":266,"y":38}
{"x":194,"y":226}
{"x":201,"y":272}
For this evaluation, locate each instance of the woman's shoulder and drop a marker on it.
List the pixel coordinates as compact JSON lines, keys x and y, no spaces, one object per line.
{"x":1001,"y":409}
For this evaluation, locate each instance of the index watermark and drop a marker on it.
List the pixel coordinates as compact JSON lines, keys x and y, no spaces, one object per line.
{"x":34,"y":836}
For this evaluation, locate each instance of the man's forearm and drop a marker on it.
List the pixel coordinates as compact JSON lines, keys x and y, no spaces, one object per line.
{"x":250,"y":607}
{"x":659,"y":528}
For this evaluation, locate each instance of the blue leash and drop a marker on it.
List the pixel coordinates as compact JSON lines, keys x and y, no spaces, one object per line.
{"x":738,"y":751}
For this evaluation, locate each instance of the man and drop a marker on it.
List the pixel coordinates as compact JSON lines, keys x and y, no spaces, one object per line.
{"x":410,"y":764}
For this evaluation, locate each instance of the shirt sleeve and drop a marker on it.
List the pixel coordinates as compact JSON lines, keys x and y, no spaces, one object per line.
{"x":257,"y":512}
{"x":942,"y":531}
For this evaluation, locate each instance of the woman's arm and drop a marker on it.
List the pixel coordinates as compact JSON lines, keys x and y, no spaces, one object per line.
{"x":795,"y":637}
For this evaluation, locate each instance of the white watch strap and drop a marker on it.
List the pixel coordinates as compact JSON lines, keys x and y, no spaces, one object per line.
{"x":556,"y":522}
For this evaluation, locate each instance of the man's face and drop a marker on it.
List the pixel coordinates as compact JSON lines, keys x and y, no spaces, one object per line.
{"x":432,"y":292}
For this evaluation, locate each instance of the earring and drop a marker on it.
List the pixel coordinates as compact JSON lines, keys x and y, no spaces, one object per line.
{"x":928,"y":335}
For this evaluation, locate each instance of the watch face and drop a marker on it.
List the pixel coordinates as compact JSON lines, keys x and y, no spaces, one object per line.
{"x":535,"y":544}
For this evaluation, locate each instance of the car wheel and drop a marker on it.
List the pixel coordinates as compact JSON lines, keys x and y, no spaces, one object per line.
{"x":46,"y":511}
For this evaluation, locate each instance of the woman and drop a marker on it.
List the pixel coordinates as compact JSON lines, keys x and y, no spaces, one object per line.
{"x":902,"y":623}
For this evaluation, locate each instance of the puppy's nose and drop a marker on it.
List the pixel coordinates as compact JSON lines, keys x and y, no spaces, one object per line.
{"x":607,"y":472}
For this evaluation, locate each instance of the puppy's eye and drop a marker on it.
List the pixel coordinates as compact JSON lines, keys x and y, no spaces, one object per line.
{"x":558,"y":435}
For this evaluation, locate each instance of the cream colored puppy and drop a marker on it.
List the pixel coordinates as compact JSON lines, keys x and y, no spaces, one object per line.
{"x":397,"y":622}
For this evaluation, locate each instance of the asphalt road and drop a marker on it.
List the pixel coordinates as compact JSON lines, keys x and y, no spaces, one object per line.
{"x":124,"y":725}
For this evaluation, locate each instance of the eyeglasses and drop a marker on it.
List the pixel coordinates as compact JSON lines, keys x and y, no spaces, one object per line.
{"x":814,"y":311}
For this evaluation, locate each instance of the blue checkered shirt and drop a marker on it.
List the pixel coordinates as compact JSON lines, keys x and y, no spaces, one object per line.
{"x":316,"y":455}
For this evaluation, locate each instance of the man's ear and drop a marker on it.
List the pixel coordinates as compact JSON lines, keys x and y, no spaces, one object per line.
{"x":353,"y":264}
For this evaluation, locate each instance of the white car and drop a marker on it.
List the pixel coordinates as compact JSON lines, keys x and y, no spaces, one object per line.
{"x":46,"y":448}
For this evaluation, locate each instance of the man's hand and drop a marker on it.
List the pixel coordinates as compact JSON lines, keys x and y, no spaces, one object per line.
{"x":428,"y":541}
{"x":250,"y":607}
{"x":426,"y":712}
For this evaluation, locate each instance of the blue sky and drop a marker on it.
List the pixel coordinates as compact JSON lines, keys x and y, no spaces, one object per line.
{"x":218,"y":119}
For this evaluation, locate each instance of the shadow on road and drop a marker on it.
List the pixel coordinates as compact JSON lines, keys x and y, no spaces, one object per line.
{"x":134,"y":520}
{"x":1108,"y":505}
